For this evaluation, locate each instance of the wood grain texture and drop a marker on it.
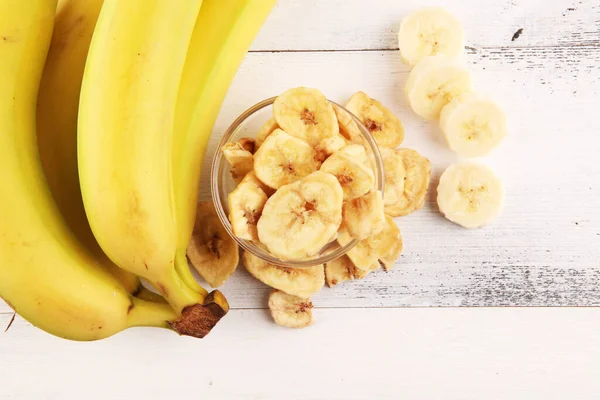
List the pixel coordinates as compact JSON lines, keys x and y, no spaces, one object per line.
{"x":308,"y":25}
{"x":467,"y":354}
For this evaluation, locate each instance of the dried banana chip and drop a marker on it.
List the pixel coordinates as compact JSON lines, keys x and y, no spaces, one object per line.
{"x":341,"y":269}
{"x":283,"y":159}
{"x":248,"y":144}
{"x":301,"y":282}
{"x":240,"y":159}
{"x":364,"y":217}
{"x":269,"y":127}
{"x":382,"y":247}
{"x":246,"y":203}
{"x":213,"y":253}
{"x":290,"y":311}
{"x":355,"y":178}
{"x":328,"y":146}
{"x":300,"y":218}
{"x":347,"y":126}
{"x":416,"y":183}
{"x":385,"y":127}
{"x":306,"y":114}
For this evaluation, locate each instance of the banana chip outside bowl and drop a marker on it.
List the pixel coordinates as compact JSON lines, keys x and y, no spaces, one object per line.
{"x":256,"y":123}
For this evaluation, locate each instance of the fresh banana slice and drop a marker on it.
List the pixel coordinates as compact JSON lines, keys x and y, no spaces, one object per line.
{"x":300,"y":218}
{"x":433,"y":83}
{"x":470,"y":195}
{"x":283,"y":159}
{"x":356,"y":179}
{"x":240,"y":159}
{"x":385,"y":127}
{"x":473,"y":125}
{"x":306,"y":114}
{"x":248,"y":143}
{"x":290,"y":311}
{"x":328,"y":146}
{"x":395,"y":174}
{"x":339,"y":270}
{"x":416,"y":183}
{"x":268,"y":128}
{"x":429,"y":32}
{"x":301,"y":282}
{"x":246,"y":203}
{"x":213,"y":253}
{"x":369,"y":252}
{"x":364,"y":216}
{"x":347,"y":126}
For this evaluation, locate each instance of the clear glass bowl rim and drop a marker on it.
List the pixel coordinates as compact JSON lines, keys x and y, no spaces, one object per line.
{"x":215,"y":185}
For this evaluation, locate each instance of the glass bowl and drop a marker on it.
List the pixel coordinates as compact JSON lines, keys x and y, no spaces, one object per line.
{"x":247,"y":125}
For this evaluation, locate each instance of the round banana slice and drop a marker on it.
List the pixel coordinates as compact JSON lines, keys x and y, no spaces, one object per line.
{"x":473,"y":125}
{"x":306,"y":114}
{"x":429,"y":32}
{"x":373,"y":251}
{"x":417,"y":171}
{"x":433,"y":83}
{"x":301,"y":218}
{"x":385,"y":127}
{"x":364,"y":216}
{"x":328,"y":146}
{"x":246,"y":203}
{"x":283,"y":159}
{"x":470,"y":195}
{"x":301,"y":282}
{"x":290,"y":311}
{"x":355,"y":178}
{"x":213,"y":253}
{"x":394,"y":176}
{"x":267,"y":128}
{"x":356,"y":153}
{"x":240,"y":159}
{"x":348,"y":127}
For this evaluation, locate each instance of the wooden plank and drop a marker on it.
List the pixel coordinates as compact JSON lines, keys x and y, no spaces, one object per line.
{"x":300,"y":25}
{"x":545,"y":248}
{"x":370,"y":354}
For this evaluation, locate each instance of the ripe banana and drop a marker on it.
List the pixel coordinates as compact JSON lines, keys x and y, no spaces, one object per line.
{"x":433,"y":83}
{"x":284,"y":159}
{"x":46,"y":275}
{"x":300,"y":218}
{"x":386,"y":128}
{"x":301,"y":282}
{"x":126,"y":120}
{"x":223,"y":33}
{"x":290,"y":311}
{"x":429,"y":32}
{"x":473,"y":125}
{"x":213,"y":253}
{"x":58,"y":103}
{"x":306,"y":114}
{"x":470,"y":195}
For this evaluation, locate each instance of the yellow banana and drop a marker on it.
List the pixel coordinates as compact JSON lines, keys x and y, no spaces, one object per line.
{"x":58,"y":102}
{"x":126,"y":119}
{"x":46,"y":275}
{"x":223,"y":33}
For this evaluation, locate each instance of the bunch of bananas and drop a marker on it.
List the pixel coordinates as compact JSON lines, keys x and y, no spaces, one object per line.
{"x":103,"y":175}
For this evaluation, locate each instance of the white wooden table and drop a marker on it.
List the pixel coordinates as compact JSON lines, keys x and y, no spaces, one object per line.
{"x":377,"y":338}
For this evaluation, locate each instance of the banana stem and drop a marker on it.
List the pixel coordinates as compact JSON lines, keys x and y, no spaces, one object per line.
{"x":146,"y":313}
{"x":183,"y":270}
{"x":176,"y":292}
